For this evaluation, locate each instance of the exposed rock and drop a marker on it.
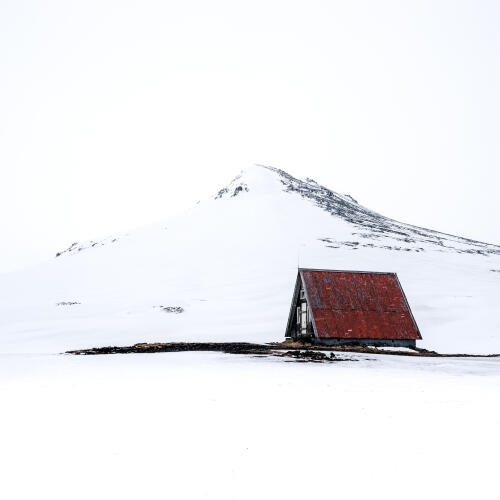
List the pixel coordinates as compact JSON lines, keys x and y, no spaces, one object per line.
{"x":78,"y":247}
{"x":171,"y":309}
{"x":234,"y":187}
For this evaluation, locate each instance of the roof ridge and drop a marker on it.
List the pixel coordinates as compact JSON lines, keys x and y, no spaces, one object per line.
{"x":343,"y":271}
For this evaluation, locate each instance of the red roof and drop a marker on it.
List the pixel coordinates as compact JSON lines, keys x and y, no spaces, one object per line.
{"x":358,"y":305}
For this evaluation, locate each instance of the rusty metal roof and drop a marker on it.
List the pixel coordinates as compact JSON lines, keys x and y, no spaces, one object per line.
{"x":358,"y":305}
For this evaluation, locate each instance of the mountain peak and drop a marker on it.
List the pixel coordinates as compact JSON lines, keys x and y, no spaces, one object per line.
{"x":258,"y":179}
{"x":265,"y":179}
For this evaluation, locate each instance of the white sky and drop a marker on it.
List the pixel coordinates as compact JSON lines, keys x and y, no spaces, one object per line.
{"x":115,"y":114}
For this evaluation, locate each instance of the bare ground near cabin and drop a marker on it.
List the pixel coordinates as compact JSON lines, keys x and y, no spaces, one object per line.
{"x":299,"y":351}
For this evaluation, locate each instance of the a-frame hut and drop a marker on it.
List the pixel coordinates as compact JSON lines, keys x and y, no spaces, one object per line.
{"x":351,"y":307}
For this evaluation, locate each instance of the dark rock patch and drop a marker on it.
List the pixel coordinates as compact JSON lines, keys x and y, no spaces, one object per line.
{"x":289,"y":349}
{"x":171,"y":309}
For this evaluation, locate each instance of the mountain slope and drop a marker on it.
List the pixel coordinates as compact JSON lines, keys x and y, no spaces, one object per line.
{"x":230,"y":264}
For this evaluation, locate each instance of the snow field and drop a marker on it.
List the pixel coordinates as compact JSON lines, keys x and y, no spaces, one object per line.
{"x":209,"y":425}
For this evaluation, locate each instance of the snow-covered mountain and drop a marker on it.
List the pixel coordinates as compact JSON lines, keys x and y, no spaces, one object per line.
{"x":225,"y":271}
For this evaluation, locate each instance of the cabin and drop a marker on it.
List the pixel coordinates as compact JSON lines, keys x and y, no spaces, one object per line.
{"x":351,"y":307}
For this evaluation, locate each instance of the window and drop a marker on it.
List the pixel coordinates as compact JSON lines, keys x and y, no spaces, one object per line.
{"x":303,"y":316}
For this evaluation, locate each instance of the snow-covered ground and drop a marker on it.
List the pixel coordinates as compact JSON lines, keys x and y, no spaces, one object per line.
{"x":210,"y":425}
{"x":230,"y":263}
